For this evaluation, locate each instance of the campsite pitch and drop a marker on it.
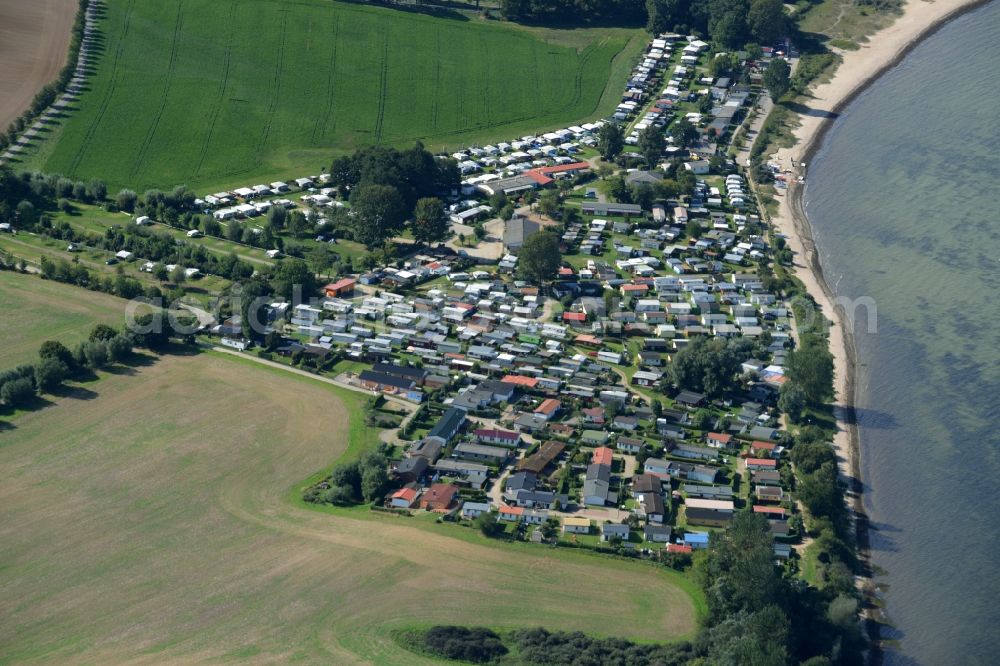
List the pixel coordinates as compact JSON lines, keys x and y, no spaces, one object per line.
{"x":213,"y":93}
{"x":153,"y":523}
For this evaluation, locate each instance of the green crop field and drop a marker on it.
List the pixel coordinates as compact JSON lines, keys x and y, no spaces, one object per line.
{"x":221,"y":92}
{"x":156,"y":522}
{"x":36,"y":310}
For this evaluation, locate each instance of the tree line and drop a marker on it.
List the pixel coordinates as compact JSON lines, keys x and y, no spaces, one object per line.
{"x":104,"y":347}
{"x":729,"y":23}
{"x":56,"y":363}
{"x":627,"y":12}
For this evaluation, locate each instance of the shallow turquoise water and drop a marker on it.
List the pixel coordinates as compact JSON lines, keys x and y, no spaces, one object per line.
{"x":903,"y":203}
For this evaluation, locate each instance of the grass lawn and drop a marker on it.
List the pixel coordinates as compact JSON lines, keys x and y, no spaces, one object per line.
{"x":810,"y":565}
{"x":844,"y":22}
{"x":214,"y":93}
{"x":37,"y":310}
{"x":32,"y":248}
{"x":153,"y":522}
{"x":95,"y":219}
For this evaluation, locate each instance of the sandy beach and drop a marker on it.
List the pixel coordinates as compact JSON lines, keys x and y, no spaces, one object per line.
{"x":858,"y":70}
{"x":34,"y":41}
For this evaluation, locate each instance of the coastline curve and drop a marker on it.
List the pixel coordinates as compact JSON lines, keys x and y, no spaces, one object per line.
{"x":908,"y":32}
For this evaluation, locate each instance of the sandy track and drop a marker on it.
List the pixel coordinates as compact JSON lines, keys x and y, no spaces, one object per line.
{"x":34,"y":41}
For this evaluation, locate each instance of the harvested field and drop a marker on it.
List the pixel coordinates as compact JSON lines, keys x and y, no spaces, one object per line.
{"x":34,"y":42}
{"x":36,"y":310}
{"x":154,"y":523}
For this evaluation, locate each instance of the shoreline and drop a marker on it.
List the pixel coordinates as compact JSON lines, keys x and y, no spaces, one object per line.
{"x":858,"y":71}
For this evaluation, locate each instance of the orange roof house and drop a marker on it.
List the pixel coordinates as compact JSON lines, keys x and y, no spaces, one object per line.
{"x":602,"y":456}
{"x":548,"y":408}
{"x":719,"y":440}
{"x":762,"y":446}
{"x":634,"y":288}
{"x":521,"y":380}
{"x":545,"y":175}
{"x":440,"y":497}
{"x":404,"y":497}
{"x":538,"y":177}
{"x":511,"y":513}
{"x":571,"y":168}
{"x":341,"y":287}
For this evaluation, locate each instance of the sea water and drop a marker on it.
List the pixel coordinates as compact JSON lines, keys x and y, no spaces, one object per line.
{"x":904,"y":202}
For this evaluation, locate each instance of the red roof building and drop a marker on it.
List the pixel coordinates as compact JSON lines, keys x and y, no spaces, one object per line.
{"x":548,"y":408}
{"x":719,"y":440}
{"x":495,"y":436}
{"x":538,"y":177}
{"x":761,"y":463}
{"x":440,"y":497}
{"x":403,"y":498}
{"x":520,"y":380}
{"x":593,"y":415}
{"x":570,"y":168}
{"x":511,"y":513}
{"x":602,"y":456}
{"x":634,"y":288}
{"x":766,"y":447}
{"x":341,"y":287}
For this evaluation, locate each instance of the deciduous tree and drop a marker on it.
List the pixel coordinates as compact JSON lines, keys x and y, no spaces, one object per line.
{"x":539,"y":257}
{"x":430,"y":224}
{"x":766,"y":20}
{"x":610,"y":141}
{"x":811,"y":367}
{"x":651,"y":144}
{"x":777,"y":78}
{"x":379,"y":212}
{"x":126,"y":200}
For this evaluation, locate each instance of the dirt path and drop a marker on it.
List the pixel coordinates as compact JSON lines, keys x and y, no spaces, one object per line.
{"x":34,"y":41}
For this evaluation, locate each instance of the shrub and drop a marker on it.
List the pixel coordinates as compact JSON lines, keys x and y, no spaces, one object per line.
{"x":95,"y":354}
{"x":119,"y":348}
{"x":57,"y":350}
{"x":17,"y":392}
{"x":49,"y":373}
{"x":478,"y":644}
